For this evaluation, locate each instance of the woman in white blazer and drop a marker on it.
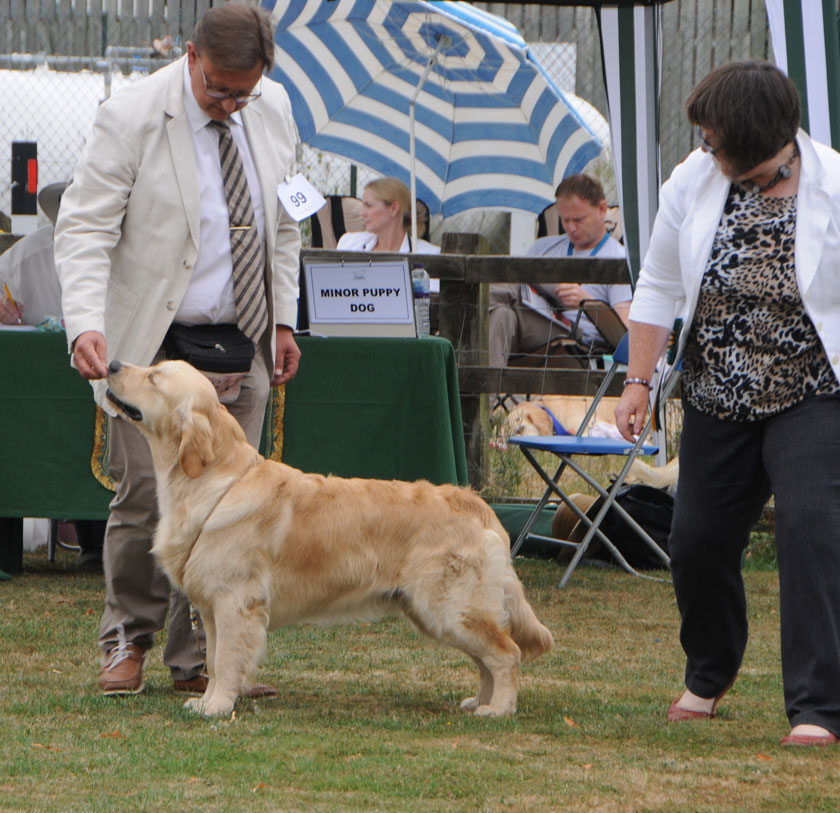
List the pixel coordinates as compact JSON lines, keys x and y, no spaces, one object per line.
{"x":746,"y":248}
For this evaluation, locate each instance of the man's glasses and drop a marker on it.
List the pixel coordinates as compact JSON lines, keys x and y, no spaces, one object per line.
{"x":241,"y":101}
{"x":704,"y":145}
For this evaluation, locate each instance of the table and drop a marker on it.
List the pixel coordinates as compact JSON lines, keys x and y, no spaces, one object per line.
{"x":385,"y":408}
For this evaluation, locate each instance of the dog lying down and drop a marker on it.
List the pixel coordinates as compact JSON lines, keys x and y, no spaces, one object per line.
{"x":257,"y":544}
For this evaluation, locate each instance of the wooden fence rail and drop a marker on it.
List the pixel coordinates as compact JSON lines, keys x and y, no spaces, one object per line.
{"x":464,"y":280}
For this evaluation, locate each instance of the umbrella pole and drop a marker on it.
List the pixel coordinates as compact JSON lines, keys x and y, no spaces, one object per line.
{"x":443,"y":40}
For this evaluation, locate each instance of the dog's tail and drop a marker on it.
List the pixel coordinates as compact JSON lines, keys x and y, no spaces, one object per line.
{"x":532,"y":638}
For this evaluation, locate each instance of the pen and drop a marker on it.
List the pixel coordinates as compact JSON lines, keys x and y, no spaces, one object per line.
{"x":11,"y":299}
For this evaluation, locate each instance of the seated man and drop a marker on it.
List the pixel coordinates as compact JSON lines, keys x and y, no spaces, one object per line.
{"x":28,"y":269}
{"x":521,"y":320}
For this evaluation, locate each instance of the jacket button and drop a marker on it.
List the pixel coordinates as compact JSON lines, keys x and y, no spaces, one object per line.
{"x":170,"y":306}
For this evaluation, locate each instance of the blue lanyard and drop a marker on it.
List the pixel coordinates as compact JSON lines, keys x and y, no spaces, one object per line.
{"x":570,"y":248}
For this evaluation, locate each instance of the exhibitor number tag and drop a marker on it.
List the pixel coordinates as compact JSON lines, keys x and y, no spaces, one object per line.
{"x":300,"y":198}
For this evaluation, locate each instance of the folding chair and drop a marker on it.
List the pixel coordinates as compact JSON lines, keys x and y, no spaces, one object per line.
{"x":566,"y":447}
{"x":340,"y":214}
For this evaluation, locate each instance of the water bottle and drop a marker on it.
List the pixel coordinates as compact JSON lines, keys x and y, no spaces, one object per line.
{"x":420,"y":286}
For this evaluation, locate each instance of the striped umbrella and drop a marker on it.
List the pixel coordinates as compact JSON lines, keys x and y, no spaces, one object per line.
{"x":630,"y":43}
{"x":490,"y":129}
{"x":806,"y":48}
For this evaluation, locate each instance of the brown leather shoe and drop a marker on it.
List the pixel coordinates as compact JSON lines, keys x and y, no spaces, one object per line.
{"x":806,"y":741}
{"x":197,"y":685}
{"x":123,"y":670}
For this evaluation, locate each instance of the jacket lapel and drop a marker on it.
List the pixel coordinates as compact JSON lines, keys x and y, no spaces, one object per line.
{"x":183,"y":153}
{"x":711,"y":198}
{"x":261,"y":152}
{"x":813,"y":213}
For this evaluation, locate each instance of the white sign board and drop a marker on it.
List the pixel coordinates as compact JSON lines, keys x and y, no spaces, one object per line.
{"x":359,"y":298}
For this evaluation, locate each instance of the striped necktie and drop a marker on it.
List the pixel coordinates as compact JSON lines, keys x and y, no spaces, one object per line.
{"x":246,"y":249}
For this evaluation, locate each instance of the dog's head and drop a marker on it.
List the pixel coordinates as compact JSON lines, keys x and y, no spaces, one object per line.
{"x":172,"y":404}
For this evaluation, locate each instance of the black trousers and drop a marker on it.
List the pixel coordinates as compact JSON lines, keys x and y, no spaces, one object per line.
{"x":727,"y":472}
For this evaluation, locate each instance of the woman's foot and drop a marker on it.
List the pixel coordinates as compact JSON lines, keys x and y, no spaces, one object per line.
{"x":806,"y":735}
{"x":690,"y":706}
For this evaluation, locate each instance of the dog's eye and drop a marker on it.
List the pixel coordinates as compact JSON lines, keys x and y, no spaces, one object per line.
{"x":151,"y":378}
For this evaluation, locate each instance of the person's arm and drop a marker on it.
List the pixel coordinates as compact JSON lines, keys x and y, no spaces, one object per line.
{"x":647,"y":344}
{"x":87,"y":229}
{"x":286,"y":357}
{"x":11,"y":311}
{"x":622,"y":310}
{"x":570,"y":294}
{"x":285,"y":260}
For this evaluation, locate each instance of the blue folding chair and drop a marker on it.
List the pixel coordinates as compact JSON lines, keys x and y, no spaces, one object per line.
{"x":567,"y":447}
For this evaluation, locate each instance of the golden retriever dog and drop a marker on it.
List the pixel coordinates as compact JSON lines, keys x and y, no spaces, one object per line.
{"x":657,"y":476}
{"x":257,"y":544}
{"x":531,"y":418}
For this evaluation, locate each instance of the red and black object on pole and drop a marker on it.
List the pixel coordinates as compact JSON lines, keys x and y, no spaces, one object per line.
{"x":24,"y":178}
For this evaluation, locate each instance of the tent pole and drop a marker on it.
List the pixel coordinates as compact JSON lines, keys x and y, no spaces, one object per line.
{"x":443,"y":40}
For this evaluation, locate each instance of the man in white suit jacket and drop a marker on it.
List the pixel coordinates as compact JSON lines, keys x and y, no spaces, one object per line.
{"x":142,"y":242}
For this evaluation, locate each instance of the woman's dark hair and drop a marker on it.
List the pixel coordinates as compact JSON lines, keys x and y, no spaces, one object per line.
{"x":751,"y":107}
{"x":236,"y":37}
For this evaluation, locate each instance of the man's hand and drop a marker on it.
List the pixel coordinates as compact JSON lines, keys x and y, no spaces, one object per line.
{"x":90,"y":355}
{"x":287,"y":358}
{"x":570,"y":294}
{"x":630,"y":411}
{"x":11,"y":313}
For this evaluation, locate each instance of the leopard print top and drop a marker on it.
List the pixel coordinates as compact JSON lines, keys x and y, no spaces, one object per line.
{"x":752,"y":351}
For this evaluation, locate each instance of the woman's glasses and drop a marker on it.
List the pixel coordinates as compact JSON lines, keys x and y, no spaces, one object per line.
{"x":704,"y":145}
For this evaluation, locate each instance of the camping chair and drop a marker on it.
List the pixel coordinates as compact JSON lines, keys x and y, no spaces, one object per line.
{"x":340,"y":214}
{"x":567,"y":447}
{"x":567,"y":351}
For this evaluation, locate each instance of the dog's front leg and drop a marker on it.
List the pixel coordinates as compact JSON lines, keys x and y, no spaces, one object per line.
{"x":197,"y":704}
{"x":239,"y":625}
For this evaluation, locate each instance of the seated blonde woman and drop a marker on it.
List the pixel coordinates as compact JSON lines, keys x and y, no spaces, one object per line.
{"x":386,"y":211}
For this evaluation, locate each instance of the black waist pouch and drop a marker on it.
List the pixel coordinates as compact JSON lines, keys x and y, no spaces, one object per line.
{"x":210,"y":348}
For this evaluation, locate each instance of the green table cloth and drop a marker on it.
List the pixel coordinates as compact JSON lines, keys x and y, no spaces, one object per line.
{"x":385,"y":408}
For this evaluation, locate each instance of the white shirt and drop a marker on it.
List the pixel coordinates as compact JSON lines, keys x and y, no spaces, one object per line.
{"x":209,"y":297}
{"x":366,"y":241}
{"x":28,"y":268}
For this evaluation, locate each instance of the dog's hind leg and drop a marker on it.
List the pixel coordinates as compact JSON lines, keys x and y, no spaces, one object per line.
{"x":498,"y":658}
{"x":485,"y":691}
{"x":490,"y":647}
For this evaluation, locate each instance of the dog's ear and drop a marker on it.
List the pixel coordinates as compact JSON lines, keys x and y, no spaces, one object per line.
{"x":196,"y":449}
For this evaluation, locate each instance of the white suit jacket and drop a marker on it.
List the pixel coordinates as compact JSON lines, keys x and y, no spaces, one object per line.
{"x":690,"y":209}
{"x":127,"y":233}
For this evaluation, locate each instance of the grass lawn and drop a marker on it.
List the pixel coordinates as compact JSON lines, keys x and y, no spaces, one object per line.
{"x":368,"y":718}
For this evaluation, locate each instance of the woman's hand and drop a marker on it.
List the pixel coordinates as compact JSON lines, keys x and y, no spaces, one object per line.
{"x":631,"y":411}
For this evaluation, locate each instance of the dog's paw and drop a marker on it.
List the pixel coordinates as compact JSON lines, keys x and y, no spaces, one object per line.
{"x":493,"y":711}
{"x":470,"y":704}
{"x":195,"y":704}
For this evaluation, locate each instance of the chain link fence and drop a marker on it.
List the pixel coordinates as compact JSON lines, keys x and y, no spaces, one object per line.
{"x":52,"y":100}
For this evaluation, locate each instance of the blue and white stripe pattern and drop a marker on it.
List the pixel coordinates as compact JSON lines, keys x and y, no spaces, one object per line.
{"x":806,"y":48}
{"x":630,"y":43}
{"x":491,"y":129}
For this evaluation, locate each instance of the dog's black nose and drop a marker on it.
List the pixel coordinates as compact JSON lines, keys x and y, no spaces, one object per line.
{"x":114,"y":367}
